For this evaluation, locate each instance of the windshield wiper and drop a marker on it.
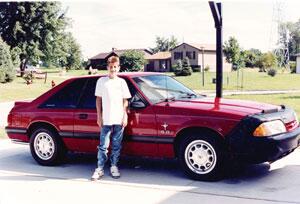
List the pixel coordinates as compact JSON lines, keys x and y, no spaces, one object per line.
{"x":170,"y":99}
{"x":188,"y":95}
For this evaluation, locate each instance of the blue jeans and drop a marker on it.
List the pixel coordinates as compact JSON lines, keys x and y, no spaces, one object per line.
{"x":116,"y":133}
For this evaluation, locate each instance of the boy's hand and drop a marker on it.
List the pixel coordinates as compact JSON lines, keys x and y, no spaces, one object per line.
{"x":99,"y":122}
{"x":125,"y":121}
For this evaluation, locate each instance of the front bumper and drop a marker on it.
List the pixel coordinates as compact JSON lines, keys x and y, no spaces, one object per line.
{"x":246,"y":147}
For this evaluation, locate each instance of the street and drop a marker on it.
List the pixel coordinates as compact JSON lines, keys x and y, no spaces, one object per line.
{"x":22,"y":180}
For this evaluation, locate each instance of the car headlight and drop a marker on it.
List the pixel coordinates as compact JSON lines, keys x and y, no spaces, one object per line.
{"x":270,"y":128}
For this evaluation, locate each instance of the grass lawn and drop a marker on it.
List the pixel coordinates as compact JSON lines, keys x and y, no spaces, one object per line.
{"x":18,"y":89}
{"x":252,"y":80}
{"x":2,"y":133}
{"x":290,"y":100}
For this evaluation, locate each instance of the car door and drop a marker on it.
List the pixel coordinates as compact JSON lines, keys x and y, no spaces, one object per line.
{"x":85,"y":118}
{"x":140,"y":133}
{"x":59,"y":110}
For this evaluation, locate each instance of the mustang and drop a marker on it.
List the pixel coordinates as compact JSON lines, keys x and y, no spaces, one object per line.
{"x":166,"y":120}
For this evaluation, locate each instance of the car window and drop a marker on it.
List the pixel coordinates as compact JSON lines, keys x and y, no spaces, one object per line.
{"x":158,"y":88}
{"x":135,"y":95}
{"x":88,"y":99}
{"x":67,"y":97}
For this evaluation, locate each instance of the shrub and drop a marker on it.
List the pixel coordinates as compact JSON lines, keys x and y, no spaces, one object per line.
{"x":272,"y":72}
{"x":177,"y":68}
{"x":206,"y":68}
{"x":29,"y":76}
{"x":183,"y":68}
{"x":196,"y":68}
{"x":2,"y":75}
{"x":6,"y":66}
{"x":186,"y":71}
{"x":292,"y":67}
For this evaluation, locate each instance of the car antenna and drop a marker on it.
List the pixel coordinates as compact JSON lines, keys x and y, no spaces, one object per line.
{"x":167,"y":99}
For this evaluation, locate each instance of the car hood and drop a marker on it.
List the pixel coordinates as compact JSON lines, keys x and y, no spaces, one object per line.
{"x":223,"y":107}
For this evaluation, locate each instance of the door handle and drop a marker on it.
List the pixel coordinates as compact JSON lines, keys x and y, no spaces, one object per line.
{"x":83,"y":116}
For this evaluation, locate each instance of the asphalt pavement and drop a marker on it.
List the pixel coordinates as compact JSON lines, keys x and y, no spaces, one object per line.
{"x":22,"y":180}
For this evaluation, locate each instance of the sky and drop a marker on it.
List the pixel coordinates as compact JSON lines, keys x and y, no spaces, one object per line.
{"x":100,"y":25}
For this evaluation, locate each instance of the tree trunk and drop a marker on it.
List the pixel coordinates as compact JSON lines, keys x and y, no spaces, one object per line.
{"x":23,"y":66}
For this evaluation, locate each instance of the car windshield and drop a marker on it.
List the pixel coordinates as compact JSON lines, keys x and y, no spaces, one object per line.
{"x":159,"y":88}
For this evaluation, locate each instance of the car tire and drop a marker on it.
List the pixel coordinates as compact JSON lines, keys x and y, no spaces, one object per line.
{"x":202,"y":156}
{"x":46,"y":147}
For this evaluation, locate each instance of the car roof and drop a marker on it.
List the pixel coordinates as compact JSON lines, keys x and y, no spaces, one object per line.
{"x":121,"y":74}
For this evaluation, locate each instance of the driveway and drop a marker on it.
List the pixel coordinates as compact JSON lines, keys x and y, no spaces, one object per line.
{"x":142,"y":181}
{"x":4,"y":110}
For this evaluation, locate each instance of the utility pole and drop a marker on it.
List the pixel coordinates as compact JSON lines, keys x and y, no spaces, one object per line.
{"x":202,"y":66}
{"x":216,"y":9}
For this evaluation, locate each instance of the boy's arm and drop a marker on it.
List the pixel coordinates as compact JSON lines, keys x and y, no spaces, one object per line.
{"x":99,"y":110}
{"x":125,"y":117}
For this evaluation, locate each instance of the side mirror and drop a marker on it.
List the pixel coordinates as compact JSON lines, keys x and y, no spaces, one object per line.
{"x":137,"y":105}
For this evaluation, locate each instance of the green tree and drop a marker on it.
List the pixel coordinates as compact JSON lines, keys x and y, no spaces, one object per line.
{"x":37,"y":29}
{"x":7,"y":73}
{"x":232,"y":52}
{"x":164,"y":44}
{"x":132,"y":61}
{"x":70,"y":57}
{"x":267,"y":60}
{"x":15,"y":56}
{"x":251,"y":57}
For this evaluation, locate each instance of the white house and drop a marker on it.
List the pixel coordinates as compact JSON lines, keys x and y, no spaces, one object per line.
{"x":194,"y":52}
{"x":298,"y":63}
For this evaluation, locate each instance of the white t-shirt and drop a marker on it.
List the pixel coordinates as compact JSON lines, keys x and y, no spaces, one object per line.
{"x":112,"y":91}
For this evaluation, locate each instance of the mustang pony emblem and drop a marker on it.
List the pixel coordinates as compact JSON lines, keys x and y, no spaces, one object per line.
{"x":165,"y":131}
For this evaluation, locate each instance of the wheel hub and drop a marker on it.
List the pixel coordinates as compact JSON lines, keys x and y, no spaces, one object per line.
{"x":44,"y":146}
{"x":200,"y":157}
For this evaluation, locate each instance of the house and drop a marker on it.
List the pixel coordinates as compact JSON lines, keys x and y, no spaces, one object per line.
{"x":164,"y":61}
{"x":197,"y":52}
{"x":298,"y":63}
{"x":99,"y":60}
{"x":159,"y":62}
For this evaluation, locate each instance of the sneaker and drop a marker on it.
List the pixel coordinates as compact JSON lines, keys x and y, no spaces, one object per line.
{"x":114,"y":171}
{"x":98,"y":173}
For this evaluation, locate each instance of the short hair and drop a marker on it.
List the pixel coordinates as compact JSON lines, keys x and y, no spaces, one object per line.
{"x":113,"y":59}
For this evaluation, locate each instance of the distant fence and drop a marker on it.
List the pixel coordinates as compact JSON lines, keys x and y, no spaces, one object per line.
{"x":37,"y":75}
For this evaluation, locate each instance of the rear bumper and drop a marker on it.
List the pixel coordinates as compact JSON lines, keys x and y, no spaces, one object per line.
{"x":18,"y":135}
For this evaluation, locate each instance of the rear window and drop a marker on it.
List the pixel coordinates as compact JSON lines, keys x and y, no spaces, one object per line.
{"x":67,"y":97}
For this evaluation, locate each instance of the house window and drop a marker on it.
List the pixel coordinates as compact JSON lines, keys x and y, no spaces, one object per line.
{"x":178,"y":55}
{"x":189,"y":55}
{"x":194,"y":55}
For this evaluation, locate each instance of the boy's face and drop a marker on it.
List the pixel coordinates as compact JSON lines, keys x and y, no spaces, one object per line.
{"x":113,"y":69}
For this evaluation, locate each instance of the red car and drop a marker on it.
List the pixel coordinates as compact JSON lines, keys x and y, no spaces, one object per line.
{"x":166,"y":120}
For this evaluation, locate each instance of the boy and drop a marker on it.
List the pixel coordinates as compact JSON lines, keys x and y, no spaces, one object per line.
{"x":111,"y":102}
